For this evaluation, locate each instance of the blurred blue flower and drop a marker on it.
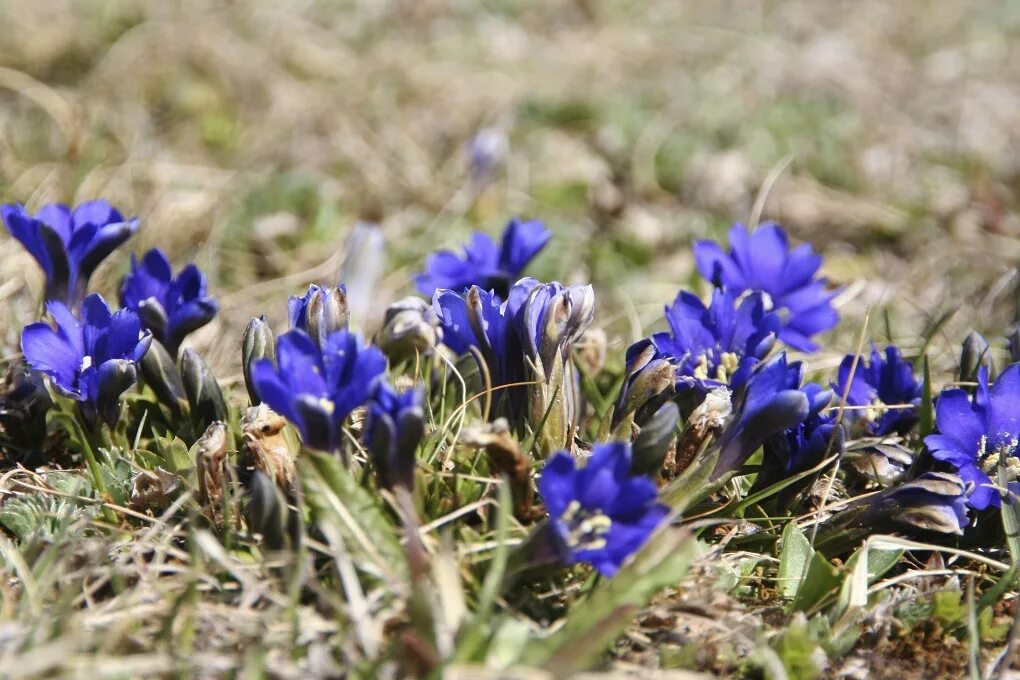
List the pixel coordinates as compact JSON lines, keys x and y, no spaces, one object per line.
{"x":320,"y":311}
{"x":491,"y":266}
{"x":802,"y":446}
{"x":880,"y":383}
{"x":770,"y":402}
{"x":394,"y":426}
{"x":316,"y":389}
{"x":978,"y":435}
{"x":67,"y":244}
{"x":763,"y":261}
{"x":719,"y":344}
{"x":169,"y":306}
{"x":600,"y":513}
{"x":91,"y":361}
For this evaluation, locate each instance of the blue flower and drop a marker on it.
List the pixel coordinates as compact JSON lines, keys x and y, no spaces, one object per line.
{"x":169,"y":306}
{"x":802,"y":446}
{"x":600,"y":513}
{"x":933,"y":502}
{"x":978,"y":435}
{"x":880,"y":383}
{"x":320,"y":311}
{"x":762,"y":261}
{"x":316,"y":389}
{"x":91,"y":361}
{"x":770,"y":402}
{"x":67,"y":244}
{"x":525,"y":338}
{"x":719,"y":344}
{"x":394,"y":427}
{"x":484,"y":263}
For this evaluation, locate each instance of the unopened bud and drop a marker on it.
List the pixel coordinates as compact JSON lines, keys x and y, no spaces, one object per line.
{"x":203,"y":392}
{"x":258,"y":343}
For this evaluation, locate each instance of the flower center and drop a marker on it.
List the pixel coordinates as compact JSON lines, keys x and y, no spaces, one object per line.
{"x":874,"y":411}
{"x":585,"y":529}
{"x":1001,"y":455}
{"x":728,"y":363}
{"x":327,"y":405}
{"x":86,"y":362}
{"x":701,"y":370}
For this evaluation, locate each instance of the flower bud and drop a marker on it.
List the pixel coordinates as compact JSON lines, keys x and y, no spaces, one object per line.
{"x":112,"y":379}
{"x":1014,"y":344}
{"x":24,"y":402}
{"x":161,"y":374}
{"x":394,"y":427}
{"x":203,"y":392}
{"x":320,"y":312}
{"x":266,"y":511}
{"x":653,"y":442}
{"x":974,"y":353}
{"x":410,"y":327}
{"x":258,"y":343}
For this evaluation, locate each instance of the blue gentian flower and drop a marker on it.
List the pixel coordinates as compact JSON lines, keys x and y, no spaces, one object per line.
{"x":802,"y":446}
{"x":316,"y":389}
{"x":91,"y":361}
{"x":882,"y":382}
{"x":719,"y":344}
{"x":68,"y":244}
{"x":320,"y":311}
{"x":977,"y":435}
{"x":169,"y":306}
{"x":770,"y":402}
{"x":526,"y":337}
{"x":763,"y":261}
{"x":600,"y":513}
{"x":394,"y":426}
{"x":485,"y":263}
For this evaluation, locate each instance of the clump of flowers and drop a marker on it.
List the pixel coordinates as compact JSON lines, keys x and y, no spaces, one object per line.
{"x":486,"y":264}
{"x":761,"y":260}
{"x":170,"y":306}
{"x":68,"y":244}
{"x":718,"y":344}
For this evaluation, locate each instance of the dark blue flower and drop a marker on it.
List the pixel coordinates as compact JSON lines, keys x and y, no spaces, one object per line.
{"x":169,"y":306}
{"x":320,"y":311}
{"x":316,"y":389}
{"x":880,"y":383}
{"x":770,"y":402}
{"x":718,"y":344}
{"x":394,"y":426}
{"x":601,"y":514}
{"x":485,"y":263}
{"x":763,"y":261}
{"x":802,"y":446}
{"x":91,"y":361}
{"x":934,"y":501}
{"x":67,"y":244}
{"x":978,"y":435}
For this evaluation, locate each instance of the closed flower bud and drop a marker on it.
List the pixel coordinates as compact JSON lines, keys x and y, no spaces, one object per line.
{"x":975,"y":353}
{"x":410,"y":327}
{"x":161,"y":374}
{"x":653,"y":442}
{"x":1014,"y":344}
{"x":258,"y":343}
{"x":394,"y":427}
{"x":320,"y":312}
{"x":266,"y":511}
{"x":934,"y":502}
{"x":24,"y":402}
{"x":655,"y":378}
{"x":203,"y":392}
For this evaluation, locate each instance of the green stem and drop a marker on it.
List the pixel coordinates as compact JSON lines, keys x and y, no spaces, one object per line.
{"x":93,"y":467}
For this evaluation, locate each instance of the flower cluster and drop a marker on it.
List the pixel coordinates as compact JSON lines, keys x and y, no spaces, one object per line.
{"x":877,"y":385}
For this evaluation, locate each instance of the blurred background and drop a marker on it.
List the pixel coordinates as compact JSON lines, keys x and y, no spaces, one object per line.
{"x":282,"y":142}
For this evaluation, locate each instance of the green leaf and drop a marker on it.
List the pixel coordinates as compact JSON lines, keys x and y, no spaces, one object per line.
{"x":821,"y":579}
{"x":794,"y":559}
{"x":366,"y":529}
{"x":594,"y":624}
{"x":1010,"y":518}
